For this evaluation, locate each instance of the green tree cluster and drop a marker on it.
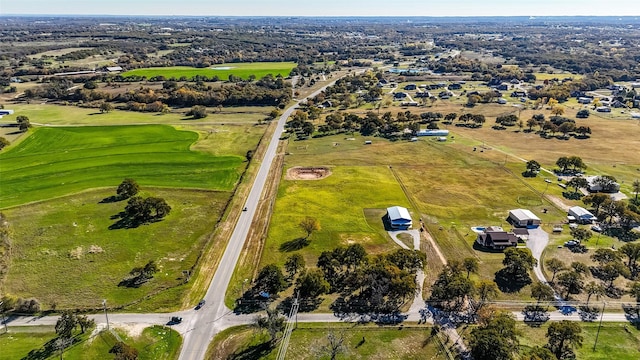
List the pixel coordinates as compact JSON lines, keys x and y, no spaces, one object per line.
{"x":495,"y":339}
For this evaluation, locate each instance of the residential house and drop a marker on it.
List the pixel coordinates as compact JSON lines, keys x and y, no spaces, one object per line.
{"x":595,"y":187}
{"x":494,"y":237}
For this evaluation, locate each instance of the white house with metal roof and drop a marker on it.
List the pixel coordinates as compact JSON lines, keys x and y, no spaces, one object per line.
{"x":399,"y":218}
{"x":523,"y":218}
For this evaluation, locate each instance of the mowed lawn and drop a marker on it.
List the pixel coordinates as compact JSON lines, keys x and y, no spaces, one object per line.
{"x":156,"y":342}
{"x":58,"y":161}
{"x":64,"y":252}
{"x":339,"y":202}
{"x":308,"y":341}
{"x":242,"y":70}
{"x":620,"y":341}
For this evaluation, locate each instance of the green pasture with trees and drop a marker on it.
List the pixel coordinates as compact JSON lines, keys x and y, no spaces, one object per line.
{"x":616,"y":340}
{"x":341,"y":204}
{"x":156,"y":342}
{"x":222,"y":71}
{"x":58,"y":161}
{"x":321,"y":341}
{"x":74,"y":251}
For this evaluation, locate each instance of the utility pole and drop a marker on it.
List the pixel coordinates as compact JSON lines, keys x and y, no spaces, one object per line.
{"x":243,"y":282}
{"x":604,"y":303}
{"x":104,"y":304}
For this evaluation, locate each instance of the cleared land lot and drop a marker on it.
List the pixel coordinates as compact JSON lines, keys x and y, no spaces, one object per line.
{"x":58,"y":161}
{"x":308,"y":339}
{"x":155,"y":342}
{"x":341,"y":203}
{"x":451,"y":186}
{"x":452,"y":189}
{"x":222,"y":71}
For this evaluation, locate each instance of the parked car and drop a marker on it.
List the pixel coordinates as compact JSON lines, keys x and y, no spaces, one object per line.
{"x":596,"y":228}
{"x":200,"y":304}
{"x":571,"y":243}
{"x":175,"y":320}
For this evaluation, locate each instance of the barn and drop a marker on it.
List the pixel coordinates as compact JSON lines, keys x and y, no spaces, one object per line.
{"x":399,"y":218}
{"x":581,"y":215}
{"x":523,"y":218}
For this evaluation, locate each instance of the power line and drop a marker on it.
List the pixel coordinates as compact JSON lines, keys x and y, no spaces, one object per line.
{"x":293,"y":320}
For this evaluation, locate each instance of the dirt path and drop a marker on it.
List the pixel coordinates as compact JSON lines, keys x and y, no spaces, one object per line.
{"x":557,"y":202}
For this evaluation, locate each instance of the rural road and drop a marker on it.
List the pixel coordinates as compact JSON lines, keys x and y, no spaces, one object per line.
{"x":201,"y":327}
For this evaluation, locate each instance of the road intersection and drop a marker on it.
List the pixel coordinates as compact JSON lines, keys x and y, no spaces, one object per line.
{"x":200,"y":326}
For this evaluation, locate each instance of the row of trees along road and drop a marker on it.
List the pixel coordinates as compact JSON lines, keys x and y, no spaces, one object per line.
{"x":364,"y":283}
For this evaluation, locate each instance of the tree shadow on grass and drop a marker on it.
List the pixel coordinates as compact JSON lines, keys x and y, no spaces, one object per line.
{"x":507,"y":284}
{"x":253,"y":352}
{"x":111,"y":199}
{"x":305,"y":305}
{"x":124,"y":222}
{"x":128,"y":222}
{"x":250,"y":302}
{"x":295,"y":244}
{"x":47,"y":350}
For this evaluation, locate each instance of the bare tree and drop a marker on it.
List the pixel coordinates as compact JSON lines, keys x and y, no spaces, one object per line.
{"x":335,"y":345}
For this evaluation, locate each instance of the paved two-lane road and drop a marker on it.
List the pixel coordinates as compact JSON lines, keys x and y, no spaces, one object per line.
{"x":201,"y":327}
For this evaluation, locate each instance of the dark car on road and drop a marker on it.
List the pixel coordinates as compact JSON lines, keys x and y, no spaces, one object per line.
{"x":175,"y":320}
{"x":200,"y":304}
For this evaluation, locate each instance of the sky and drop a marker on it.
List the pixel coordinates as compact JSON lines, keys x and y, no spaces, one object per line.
{"x":325,"y":7}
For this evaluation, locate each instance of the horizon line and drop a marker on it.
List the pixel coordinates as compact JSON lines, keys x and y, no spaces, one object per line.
{"x":533,"y":17}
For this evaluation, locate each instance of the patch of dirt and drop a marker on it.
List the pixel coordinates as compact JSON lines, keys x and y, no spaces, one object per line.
{"x":133,"y":329}
{"x":308,"y":173}
{"x":558,"y":202}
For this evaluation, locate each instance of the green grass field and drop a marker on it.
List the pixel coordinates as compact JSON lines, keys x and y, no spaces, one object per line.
{"x":340,"y":202}
{"x":155,"y":342}
{"x":308,"y":340}
{"x":58,"y":161}
{"x":65,"y":253}
{"x":49,"y":114}
{"x":620,"y":341}
{"x":242,"y":70}
{"x":452,"y":187}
